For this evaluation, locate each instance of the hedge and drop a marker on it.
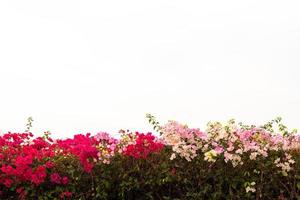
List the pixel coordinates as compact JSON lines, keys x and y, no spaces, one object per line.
{"x":226,"y":161}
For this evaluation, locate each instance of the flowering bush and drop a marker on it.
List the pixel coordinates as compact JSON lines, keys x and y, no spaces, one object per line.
{"x":226,"y":161}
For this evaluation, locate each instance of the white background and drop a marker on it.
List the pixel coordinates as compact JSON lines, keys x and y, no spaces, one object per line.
{"x":88,"y":66}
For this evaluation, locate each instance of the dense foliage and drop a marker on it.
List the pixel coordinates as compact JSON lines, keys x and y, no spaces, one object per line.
{"x":226,"y":161}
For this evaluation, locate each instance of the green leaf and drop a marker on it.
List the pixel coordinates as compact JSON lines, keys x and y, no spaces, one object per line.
{"x":298,"y":185}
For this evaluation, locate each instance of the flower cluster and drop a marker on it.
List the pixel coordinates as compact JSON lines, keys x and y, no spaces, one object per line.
{"x":81,"y":146}
{"x":250,"y":187}
{"x":184,"y":141}
{"x":144,"y":144}
{"x":230,"y":142}
{"x":25,"y":160}
{"x":107,"y":146}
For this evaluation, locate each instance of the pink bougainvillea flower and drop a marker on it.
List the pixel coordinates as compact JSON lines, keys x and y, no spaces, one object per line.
{"x":55,"y":178}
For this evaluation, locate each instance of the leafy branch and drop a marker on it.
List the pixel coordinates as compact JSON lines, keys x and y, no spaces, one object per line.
{"x":154,"y":123}
{"x":277,"y":122}
{"x":29,"y":124}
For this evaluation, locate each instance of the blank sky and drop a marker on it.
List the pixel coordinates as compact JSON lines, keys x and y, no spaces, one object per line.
{"x":88,"y":66}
